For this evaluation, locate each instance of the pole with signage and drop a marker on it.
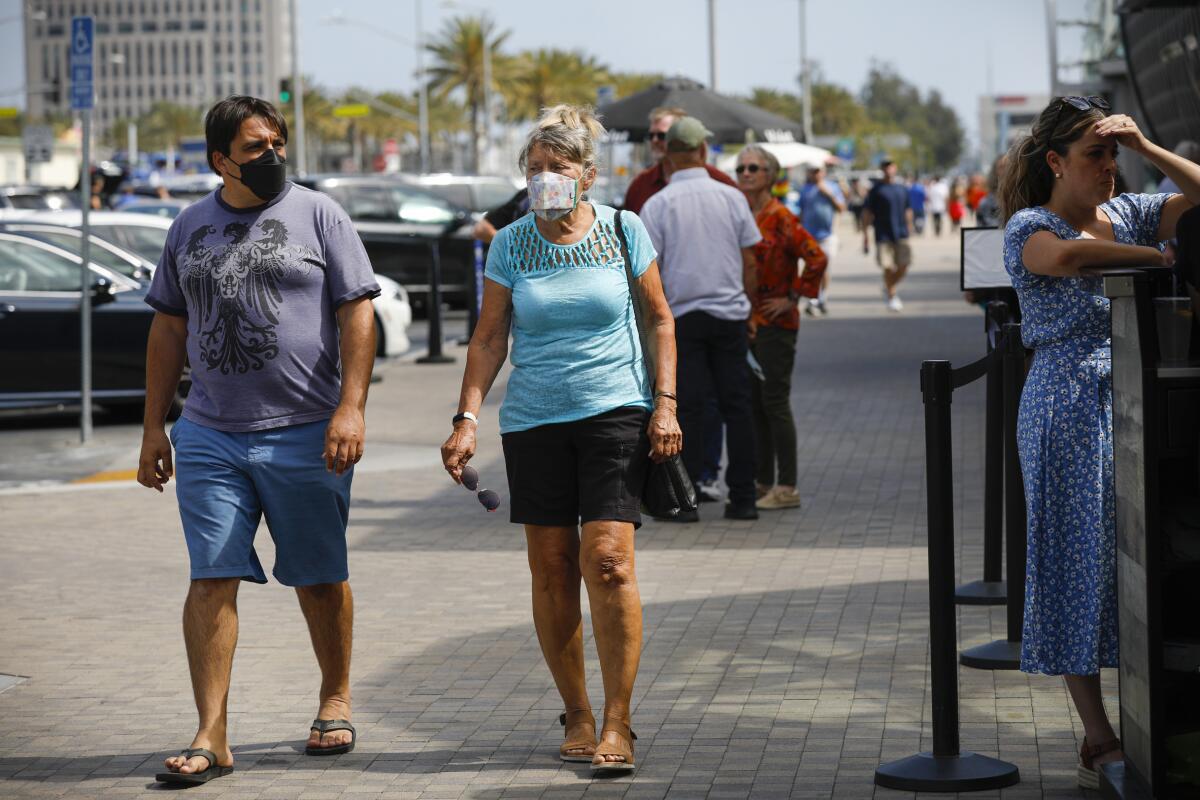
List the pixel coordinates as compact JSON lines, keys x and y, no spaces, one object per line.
{"x":82,"y":100}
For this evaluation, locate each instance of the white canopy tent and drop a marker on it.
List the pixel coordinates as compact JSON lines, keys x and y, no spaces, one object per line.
{"x":790,"y":154}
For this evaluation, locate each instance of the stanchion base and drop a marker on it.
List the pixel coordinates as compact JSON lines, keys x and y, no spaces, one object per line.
{"x":442,"y":359}
{"x":1000,"y":654}
{"x":965,"y":772}
{"x":981,"y":593}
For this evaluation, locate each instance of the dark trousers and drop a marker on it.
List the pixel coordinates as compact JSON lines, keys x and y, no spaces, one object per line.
{"x":712,"y":362}
{"x":775,"y":429}
{"x":714,"y":440}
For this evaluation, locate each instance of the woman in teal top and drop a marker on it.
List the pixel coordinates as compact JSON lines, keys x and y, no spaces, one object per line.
{"x":579,"y":424}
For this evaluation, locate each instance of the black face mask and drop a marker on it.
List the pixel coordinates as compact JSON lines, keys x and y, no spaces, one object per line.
{"x":265,"y":175}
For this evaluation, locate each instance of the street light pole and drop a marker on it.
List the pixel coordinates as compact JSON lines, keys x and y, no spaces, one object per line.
{"x":423,"y":92}
{"x":298,"y":88}
{"x":805,"y":80}
{"x":712,"y":44}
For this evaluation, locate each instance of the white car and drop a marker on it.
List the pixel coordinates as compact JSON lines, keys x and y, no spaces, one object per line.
{"x":146,"y":235}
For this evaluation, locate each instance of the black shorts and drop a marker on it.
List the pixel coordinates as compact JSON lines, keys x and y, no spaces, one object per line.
{"x":573,"y":472}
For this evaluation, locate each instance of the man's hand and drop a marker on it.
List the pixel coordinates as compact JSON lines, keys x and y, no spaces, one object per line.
{"x":777,"y":307}
{"x":155,"y":467}
{"x":344,"y":439}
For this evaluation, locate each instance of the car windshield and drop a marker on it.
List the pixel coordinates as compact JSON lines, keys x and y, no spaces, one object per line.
{"x":97,"y":254}
{"x":421,"y":207}
{"x":29,"y":268}
{"x":144,"y":240}
{"x":29,"y":202}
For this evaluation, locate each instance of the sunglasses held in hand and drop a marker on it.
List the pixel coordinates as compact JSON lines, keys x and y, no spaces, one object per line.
{"x":487,"y":498}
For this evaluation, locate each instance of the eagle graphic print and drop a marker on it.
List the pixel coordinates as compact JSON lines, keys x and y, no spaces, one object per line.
{"x":235,"y":279}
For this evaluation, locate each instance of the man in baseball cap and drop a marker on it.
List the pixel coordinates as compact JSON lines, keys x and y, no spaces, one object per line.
{"x":705,"y":233}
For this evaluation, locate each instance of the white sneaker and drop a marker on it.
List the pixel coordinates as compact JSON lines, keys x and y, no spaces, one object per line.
{"x":708,"y":492}
{"x":894,"y":304}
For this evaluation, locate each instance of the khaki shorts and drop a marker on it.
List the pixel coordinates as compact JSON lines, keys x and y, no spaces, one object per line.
{"x":893,"y":255}
{"x":829,"y":245}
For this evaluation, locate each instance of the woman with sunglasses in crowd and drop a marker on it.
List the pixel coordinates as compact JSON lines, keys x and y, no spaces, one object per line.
{"x":776,"y":322}
{"x":1057,"y":195}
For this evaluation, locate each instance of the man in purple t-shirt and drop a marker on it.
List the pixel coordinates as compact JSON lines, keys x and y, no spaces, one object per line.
{"x":265,"y":289}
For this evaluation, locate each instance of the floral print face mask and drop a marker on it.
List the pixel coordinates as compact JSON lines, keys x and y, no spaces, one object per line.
{"x":552,"y":196}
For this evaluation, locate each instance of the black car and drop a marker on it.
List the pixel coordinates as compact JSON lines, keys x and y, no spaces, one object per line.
{"x":37,"y":198}
{"x":39,"y":330}
{"x":400,"y":225}
{"x":101,"y":252}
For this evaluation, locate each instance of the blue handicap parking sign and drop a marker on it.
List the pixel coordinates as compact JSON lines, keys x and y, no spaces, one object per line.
{"x":80,"y":63}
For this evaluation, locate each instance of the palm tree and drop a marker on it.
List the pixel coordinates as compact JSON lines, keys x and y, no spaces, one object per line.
{"x":166,"y":124}
{"x":627,"y":83}
{"x":547,"y":77}
{"x":458,"y":65}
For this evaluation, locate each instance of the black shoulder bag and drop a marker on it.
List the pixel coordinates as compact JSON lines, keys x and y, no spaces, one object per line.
{"x":668,"y":489}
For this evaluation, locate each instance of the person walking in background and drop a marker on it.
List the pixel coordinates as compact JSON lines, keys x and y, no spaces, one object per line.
{"x":820,"y":202}
{"x":855,"y":198}
{"x":956,"y":207}
{"x":776,"y":324}
{"x":1057,"y":195}
{"x":705,"y":234}
{"x":502,"y":216}
{"x":888,"y":212}
{"x":988,"y":213}
{"x":916,"y":201}
{"x":976,"y":191}
{"x":650,"y":181}
{"x":937,"y":198}
{"x":264,"y":288}
{"x":578,"y":422}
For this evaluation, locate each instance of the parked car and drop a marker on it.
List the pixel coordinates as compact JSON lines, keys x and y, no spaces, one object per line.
{"x":400,"y":224}
{"x":102,"y":251}
{"x":144,"y":234}
{"x":37,"y":198}
{"x":39,"y":330}
{"x":168,"y":209}
{"x":393,"y":312}
{"x":477,"y":193}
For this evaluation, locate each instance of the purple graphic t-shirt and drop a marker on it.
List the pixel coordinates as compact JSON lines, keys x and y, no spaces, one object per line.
{"x":260,"y":288}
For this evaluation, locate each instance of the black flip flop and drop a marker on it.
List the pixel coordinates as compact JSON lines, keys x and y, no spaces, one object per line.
{"x":214,"y":770}
{"x":324,"y":726}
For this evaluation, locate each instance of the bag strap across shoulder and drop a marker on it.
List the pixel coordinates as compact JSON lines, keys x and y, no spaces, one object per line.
{"x":635,"y":297}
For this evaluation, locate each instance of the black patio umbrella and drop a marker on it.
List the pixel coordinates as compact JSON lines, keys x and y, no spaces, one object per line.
{"x":726,"y":117}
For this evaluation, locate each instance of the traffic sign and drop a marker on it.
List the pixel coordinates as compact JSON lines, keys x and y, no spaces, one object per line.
{"x":39,"y":143}
{"x":80,"y":64}
{"x":352,"y":110}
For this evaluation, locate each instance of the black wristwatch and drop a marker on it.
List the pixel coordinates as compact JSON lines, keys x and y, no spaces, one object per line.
{"x":464,"y":415}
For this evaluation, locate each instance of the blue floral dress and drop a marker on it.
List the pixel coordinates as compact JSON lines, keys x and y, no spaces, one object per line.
{"x":1064,"y":437}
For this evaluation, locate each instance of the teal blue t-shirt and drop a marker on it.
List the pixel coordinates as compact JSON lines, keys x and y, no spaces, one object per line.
{"x":575,"y":349}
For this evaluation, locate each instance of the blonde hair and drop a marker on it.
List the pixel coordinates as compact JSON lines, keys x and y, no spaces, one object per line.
{"x":766,"y":155}
{"x":570,"y":132}
{"x":1025,"y":178}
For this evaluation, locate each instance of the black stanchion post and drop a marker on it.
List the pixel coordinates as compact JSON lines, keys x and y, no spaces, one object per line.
{"x":435,"y":354}
{"x":991,"y":590}
{"x":945,"y":769}
{"x":1006,"y":653}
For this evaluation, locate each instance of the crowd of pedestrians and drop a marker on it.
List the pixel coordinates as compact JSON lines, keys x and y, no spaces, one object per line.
{"x":281,"y":345}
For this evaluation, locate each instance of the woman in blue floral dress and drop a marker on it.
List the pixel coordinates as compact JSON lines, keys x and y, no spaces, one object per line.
{"x":1057,"y":197}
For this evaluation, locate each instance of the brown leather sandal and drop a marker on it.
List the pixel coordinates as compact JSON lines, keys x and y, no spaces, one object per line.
{"x":623,"y":748}
{"x":1086,"y":775}
{"x":570,"y":719}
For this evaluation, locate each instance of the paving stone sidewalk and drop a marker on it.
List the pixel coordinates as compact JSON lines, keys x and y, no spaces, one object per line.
{"x":783,"y":658}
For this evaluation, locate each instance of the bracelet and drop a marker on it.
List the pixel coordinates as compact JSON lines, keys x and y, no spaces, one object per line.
{"x":666,"y":394}
{"x":459,"y":417}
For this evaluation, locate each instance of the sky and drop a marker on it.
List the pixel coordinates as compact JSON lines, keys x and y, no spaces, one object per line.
{"x":936,"y":44}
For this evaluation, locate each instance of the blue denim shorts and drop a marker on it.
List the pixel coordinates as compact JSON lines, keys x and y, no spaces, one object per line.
{"x":226,"y":482}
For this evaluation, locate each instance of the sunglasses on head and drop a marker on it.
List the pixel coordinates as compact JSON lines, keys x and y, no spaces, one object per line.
{"x":751,"y":168}
{"x":1079,"y":104}
{"x":658,"y":136}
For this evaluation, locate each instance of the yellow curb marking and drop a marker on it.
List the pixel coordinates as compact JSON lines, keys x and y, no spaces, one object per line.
{"x":111,"y":475}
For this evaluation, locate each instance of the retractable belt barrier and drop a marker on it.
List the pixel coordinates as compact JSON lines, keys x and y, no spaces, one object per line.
{"x":946,"y":768}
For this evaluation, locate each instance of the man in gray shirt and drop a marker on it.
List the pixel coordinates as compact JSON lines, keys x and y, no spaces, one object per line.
{"x":265,"y":288}
{"x":704,"y":233}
